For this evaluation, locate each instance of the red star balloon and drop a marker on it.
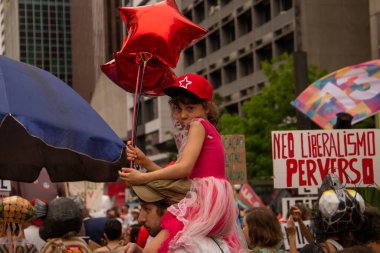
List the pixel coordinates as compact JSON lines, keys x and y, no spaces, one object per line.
{"x":123,"y":71}
{"x":159,"y":29}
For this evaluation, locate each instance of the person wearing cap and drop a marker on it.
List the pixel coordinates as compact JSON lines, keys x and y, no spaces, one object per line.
{"x":201,"y":159}
{"x":155,"y":198}
{"x":61,"y":226}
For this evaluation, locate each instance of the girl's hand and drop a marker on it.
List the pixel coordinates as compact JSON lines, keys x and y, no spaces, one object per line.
{"x":133,"y":176}
{"x":135,"y":155}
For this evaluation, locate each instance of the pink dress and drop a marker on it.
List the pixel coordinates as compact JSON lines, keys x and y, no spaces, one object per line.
{"x":209,"y":208}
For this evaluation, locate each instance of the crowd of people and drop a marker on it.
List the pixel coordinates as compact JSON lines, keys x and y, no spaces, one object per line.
{"x":188,"y":206}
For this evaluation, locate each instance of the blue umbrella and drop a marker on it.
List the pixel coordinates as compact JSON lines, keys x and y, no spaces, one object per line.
{"x":45,"y":123}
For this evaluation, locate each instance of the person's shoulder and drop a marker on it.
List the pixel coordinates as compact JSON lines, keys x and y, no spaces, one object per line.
{"x":101,"y":250}
{"x":202,"y":122}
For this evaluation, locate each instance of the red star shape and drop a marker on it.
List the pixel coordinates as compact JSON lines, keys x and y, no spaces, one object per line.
{"x":159,"y":29}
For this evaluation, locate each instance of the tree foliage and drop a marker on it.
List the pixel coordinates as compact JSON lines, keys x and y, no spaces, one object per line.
{"x":270,"y":110}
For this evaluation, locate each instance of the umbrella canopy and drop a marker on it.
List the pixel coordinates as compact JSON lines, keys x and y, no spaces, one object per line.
{"x":354,"y":90}
{"x":45,"y":123}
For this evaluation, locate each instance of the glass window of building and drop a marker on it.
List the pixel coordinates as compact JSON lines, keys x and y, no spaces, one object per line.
{"x":200,"y":49}
{"x":262,"y":13}
{"x":228,"y":32}
{"x":45,"y":35}
{"x":189,"y":56}
{"x":150,"y":110}
{"x":264,"y":53}
{"x":216,"y":78}
{"x":246,"y":65}
{"x":229,"y":72}
{"x":285,"y":44}
{"x":214,"y":41}
{"x":244,"y":21}
{"x":199,"y":12}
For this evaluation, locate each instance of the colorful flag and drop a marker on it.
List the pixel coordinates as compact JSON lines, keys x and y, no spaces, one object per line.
{"x":248,"y":197}
{"x":353,"y":89}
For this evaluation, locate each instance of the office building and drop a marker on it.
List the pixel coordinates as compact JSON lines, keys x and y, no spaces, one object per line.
{"x":242,"y":33}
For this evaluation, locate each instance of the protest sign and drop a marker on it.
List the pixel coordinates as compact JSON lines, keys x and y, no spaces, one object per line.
{"x":300,"y":240}
{"x":5,"y":188}
{"x":303,"y":158}
{"x":90,"y":192}
{"x":234,"y":148}
{"x":288,"y":202}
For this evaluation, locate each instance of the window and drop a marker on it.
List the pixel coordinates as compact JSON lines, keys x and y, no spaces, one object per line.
{"x":230,"y":72}
{"x":189,"y":56}
{"x":244,"y":23}
{"x":150,"y":110}
{"x":228,"y":30}
{"x":285,"y":44}
{"x":286,"y":5}
{"x":246,"y":65}
{"x":216,"y":79}
{"x":214,"y":40}
{"x":199,"y":12}
{"x":200,"y":48}
{"x":262,"y":12}
{"x":264,"y":53}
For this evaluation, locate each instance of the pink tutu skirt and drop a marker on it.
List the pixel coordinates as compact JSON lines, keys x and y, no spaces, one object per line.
{"x":208,"y":210}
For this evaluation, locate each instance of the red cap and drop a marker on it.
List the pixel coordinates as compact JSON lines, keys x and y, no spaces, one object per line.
{"x":191,"y":83}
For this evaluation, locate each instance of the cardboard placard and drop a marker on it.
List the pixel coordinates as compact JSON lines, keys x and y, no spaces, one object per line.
{"x":91,"y":193}
{"x":236,"y":168}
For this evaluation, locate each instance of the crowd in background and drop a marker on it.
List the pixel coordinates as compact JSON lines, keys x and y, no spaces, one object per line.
{"x":338,"y":223}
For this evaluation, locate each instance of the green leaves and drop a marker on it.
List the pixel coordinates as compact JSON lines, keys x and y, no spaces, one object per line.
{"x":268,"y":111}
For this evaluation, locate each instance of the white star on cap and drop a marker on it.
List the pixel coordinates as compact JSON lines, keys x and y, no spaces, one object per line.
{"x":184,"y":85}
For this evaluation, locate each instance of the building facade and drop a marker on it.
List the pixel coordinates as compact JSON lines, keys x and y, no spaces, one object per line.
{"x":73,"y":38}
{"x":242,"y":33}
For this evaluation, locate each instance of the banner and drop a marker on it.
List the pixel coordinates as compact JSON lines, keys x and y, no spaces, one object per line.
{"x":236,"y":168}
{"x":5,"y":188}
{"x":354,"y":90}
{"x":303,"y":158}
{"x":249,"y":197}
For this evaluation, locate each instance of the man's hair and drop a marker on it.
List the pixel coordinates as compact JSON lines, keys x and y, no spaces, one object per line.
{"x":113,"y":229}
{"x":161,"y":205}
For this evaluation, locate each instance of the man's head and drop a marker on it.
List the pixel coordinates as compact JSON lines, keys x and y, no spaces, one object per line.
{"x":155,"y":197}
{"x":113,"y":229}
{"x":150,"y":215}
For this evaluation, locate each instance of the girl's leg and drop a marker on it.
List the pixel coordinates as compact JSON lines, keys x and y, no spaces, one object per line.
{"x":155,"y":244}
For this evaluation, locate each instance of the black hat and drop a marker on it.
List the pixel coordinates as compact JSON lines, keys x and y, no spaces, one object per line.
{"x":63,"y":216}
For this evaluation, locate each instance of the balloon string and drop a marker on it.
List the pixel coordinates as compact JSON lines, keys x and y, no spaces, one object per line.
{"x":145,"y":57}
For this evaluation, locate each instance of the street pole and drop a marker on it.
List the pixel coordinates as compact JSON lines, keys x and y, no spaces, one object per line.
{"x":301,"y":82}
